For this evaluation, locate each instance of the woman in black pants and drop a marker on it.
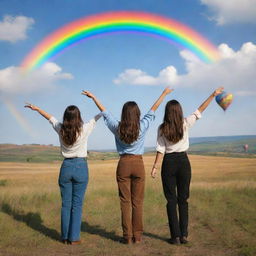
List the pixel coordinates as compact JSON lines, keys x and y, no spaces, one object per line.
{"x":173,"y":142}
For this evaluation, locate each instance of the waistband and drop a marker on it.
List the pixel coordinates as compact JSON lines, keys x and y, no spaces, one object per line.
{"x":75,"y":158}
{"x":176,"y":154}
{"x":130,"y":156}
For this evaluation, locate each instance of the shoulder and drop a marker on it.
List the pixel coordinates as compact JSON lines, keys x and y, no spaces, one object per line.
{"x":54,"y":121}
{"x":196,"y":114}
{"x":149,"y":116}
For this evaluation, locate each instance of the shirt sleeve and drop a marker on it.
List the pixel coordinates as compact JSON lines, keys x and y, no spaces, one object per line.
{"x":190,"y":120}
{"x":147,"y":119}
{"x":92,"y":123}
{"x":111,"y":122}
{"x":160,"y":143}
{"x":55,"y":124}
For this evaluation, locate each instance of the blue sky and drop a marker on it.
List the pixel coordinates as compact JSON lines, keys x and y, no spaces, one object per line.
{"x":96,"y":64}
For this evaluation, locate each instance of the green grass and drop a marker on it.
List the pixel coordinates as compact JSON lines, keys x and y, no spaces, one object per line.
{"x":226,"y":146}
{"x":230,"y":214}
{"x":42,"y":154}
{"x":29,"y":153}
{"x":3,"y":182}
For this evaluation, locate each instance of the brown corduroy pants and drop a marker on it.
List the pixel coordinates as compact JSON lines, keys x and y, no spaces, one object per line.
{"x":130,"y":176}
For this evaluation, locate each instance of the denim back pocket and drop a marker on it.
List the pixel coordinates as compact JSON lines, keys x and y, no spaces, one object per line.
{"x":65,"y":171}
{"x":80,"y":173}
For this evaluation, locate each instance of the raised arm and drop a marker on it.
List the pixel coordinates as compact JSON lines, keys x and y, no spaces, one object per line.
{"x":206,"y":103}
{"x":166,"y":91}
{"x":40,"y":111}
{"x":96,"y":101}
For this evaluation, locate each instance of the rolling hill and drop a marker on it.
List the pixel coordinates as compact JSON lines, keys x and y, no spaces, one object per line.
{"x":232,"y":146}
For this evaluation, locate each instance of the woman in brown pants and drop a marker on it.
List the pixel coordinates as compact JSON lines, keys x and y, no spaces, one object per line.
{"x":130,"y":175}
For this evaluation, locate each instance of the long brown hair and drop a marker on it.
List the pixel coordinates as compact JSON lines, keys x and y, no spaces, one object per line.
{"x":71,"y":125}
{"x":129,"y":126}
{"x":172,"y":126}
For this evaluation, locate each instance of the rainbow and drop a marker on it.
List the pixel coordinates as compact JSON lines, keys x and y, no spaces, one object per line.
{"x":18,"y":116}
{"x":122,"y":21}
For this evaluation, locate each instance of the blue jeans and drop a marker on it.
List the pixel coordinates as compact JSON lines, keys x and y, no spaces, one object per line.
{"x":73,"y":181}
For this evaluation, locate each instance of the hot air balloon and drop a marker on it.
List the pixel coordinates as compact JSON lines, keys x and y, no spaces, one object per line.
{"x":246,"y":146}
{"x":224,"y":100}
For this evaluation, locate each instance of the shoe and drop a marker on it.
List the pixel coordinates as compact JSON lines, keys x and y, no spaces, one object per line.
{"x":137,"y":240}
{"x":75,"y":242}
{"x":125,"y":240}
{"x":183,"y":240}
{"x":174,"y":240}
{"x":64,"y":241}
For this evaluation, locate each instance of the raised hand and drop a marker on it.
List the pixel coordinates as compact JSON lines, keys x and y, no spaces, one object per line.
{"x":218,"y":91}
{"x":88,"y":94}
{"x":31,"y":106}
{"x":98,"y":104}
{"x":206,"y":103}
{"x":40,"y":111}
{"x":168,"y":90}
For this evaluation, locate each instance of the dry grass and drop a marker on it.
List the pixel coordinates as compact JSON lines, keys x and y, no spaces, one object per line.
{"x":222,"y":211}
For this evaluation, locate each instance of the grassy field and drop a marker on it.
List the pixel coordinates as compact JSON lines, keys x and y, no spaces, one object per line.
{"x":222,"y":211}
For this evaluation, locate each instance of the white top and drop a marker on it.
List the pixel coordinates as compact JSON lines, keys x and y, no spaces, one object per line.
{"x":79,"y":148}
{"x":164,"y":146}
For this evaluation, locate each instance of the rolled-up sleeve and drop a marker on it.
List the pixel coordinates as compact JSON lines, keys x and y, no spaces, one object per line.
{"x":92,"y":123}
{"x":160,"y":143}
{"x":111,"y":122}
{"x":190,"y":120}
{"x":147,"y":119}
{"x":55,"y":124}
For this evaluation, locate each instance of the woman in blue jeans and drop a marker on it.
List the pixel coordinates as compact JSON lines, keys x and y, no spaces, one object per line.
{"x":73,"y":179}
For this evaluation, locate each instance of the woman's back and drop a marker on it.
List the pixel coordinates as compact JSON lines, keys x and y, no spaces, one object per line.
{"x":166,"y":146}
{"x":79,"y":148}
{"x":136,"y":147}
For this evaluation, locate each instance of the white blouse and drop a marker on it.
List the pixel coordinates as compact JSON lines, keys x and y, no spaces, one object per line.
{"x":164,"y":146}
{"x":79,"y":148}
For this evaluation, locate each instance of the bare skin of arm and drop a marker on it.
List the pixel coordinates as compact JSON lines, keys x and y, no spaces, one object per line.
{"x":202,"y":107}
{"x":166,"y":91}
{"x":158,"y":158}
{"x":206,"y":103}
{"x":96,"y":101}
{"x":40,"y":111}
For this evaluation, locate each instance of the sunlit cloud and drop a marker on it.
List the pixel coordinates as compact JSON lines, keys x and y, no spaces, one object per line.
{"x":14,"y":80}
{"x":138,"y":77}
{"x":235,"y":70}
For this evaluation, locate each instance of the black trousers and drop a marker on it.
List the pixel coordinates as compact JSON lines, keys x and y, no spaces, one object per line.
{"x":176,"y":176}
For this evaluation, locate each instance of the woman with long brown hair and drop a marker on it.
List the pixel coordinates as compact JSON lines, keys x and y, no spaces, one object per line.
{"x":73,"y":178}
{"x":173,"y":142}
{"x":129,"y":135}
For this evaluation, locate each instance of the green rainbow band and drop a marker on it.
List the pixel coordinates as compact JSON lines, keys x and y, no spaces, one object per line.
{"x":108,"y":23}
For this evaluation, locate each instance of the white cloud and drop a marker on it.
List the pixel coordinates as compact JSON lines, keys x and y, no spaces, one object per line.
{"x":13,"y":29}
{"x":234,"y":70}
{"x":138,"y":77}
{"x":232,"y":11}
{"x":14,"y":80}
